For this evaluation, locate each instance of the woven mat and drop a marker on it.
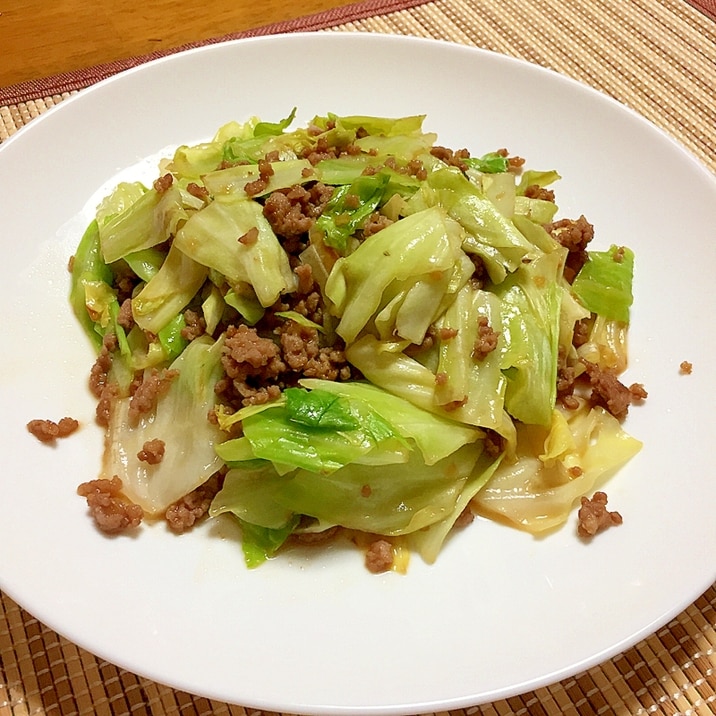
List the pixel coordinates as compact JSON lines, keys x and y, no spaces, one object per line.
{"x":655,"y":56}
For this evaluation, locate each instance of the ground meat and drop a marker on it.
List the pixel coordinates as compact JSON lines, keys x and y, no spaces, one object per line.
{"x":447,"y":334}
{"x":685,"y":367}
{"x":259,"y":185}
{"x":292,"y":212}
{"x":103,"y":411}
{"x":486,"y":339}
{"x":112,"y":512}
{"x":427,"y":343}
{"x":535,"y":191}
{"x":197,"y":190}
{"x":323,"y":149}
{"x":379,"y":557}
{"x":125,"y":317}
{"x":186,"y":512}
{"x":565,"y":384}
{"x":450,"y":157}
{"x":250,"y":237}
{"x":152,"y":451}
{"x":494,"y":443}
{"x":252,"y":364}
{"x":304,"y":273}
{"x":102,"y":365}
{"x":299,"y":345}
{"x":609,"y":392}
{"x":153,"y":385}
{"x":303,"y":354}
{"x":466,"y":517}
{"x":163,"y":183}
{"x":479,"y":275}
{"x":47,"y":431}
{"x":312,"y":539}
{"x":638,"y":392}
{"x":195,"y":325}
{"x":376,"y":222}
{"x":582,"y":331}
{"x":574,"y":235}
{"x":594,"y":517}
{"x":566,"y":381}
{"x":310,"y":306}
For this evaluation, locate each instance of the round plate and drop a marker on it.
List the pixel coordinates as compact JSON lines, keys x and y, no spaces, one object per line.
{"x":501,"y":612}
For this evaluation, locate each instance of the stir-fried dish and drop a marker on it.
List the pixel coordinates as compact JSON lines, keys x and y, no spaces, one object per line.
{"x":348,"y":329}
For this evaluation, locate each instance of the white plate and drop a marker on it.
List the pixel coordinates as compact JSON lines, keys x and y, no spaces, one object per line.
{"x":501,"y":612}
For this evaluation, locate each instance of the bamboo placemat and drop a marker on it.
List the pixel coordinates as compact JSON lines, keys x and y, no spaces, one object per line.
{"x":657,"y":57}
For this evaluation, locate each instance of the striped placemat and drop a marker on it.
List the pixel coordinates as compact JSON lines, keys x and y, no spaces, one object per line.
{"x":655,"y":56}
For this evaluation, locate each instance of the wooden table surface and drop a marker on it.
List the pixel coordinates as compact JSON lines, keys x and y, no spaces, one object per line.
{"x":40,"y":38}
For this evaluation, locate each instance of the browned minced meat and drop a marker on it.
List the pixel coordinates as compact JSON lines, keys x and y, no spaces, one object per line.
{"x":125,"y":281}
{"x":47,"y":431}
{"x":465,"y":518}
{"x":324,"y":150}
{"x":102,"y":365}
{"x":303,"y":353}
{"x":685,"y":367}
{"x":195,"y":325}
{"x":574,"y":235}
{"x":163,"y":183}
{"x":153,"y":385}
{"x":453,"y":404}
{"x":453,"y":158}
{"x":535,"y":191}
{"x":379,"y":557}
{"x":609,"y":392}
{"x":594,"y":517}
{"x":197,"y":190}
{"x":259,"y":185}
{"x":638,"y":391}
{"x":618,"y":255}
{"x":152,"y":451}
{"x":566,"y":381}
{"x":313,"y":539}
{"x":250,"y":237}
{"x":427,"y":343}
{"x":112,"y":512}
{"x":514,"y":164}
{"x":376,"y":222}
{"x":310,"y":305}
{"x":252,"y":363}
{"x":479,"y":275}
{"x":565,"y":385}
{"x":441,"y":378}
{"x":447,"y":334}
{"x":186,"y":512}
{"x":125,"y":317}
{"x":106,"y":400}
{"x":582,"y":331}
{"x":486,"y":341}
{"x":293,"y":211}
{"x":494,"y":443}
{"x":304,"y":273}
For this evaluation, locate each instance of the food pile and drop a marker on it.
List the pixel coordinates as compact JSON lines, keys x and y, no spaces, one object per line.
{"x":348,"y":329}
